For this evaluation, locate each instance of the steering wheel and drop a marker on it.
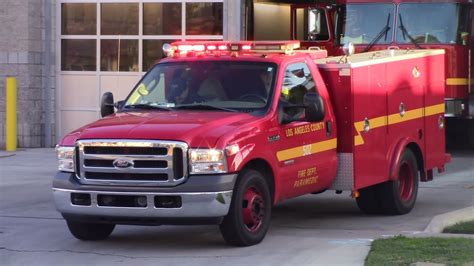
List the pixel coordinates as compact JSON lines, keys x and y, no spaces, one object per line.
{"x":254,"y":96}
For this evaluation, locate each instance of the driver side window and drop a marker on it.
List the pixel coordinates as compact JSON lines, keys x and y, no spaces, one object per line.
{"x":297,"y":82}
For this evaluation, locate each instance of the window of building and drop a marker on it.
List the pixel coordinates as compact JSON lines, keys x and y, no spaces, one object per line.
{"x":119,"y":19}
{"x":119,"y":55}
{"x":78,"y":55}
{"x":78,"y":19}
{"x":162,"y":19}
{"x":128,"y":37}
{"x":204,"y":18}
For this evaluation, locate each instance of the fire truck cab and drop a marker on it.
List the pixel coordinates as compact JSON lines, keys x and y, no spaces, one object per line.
{"x":219,"y":132}
{"x":403,"y":24}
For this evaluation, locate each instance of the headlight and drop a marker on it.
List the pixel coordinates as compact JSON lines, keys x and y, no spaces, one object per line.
{"x":207,"y":161}
{"x":65,"y":158}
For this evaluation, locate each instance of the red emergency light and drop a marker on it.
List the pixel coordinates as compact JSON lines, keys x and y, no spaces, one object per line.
{"x":227,"y":47}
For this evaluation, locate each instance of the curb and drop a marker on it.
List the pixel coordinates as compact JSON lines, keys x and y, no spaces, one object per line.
{"x":439,"y":222}
{"x":6,"y":155}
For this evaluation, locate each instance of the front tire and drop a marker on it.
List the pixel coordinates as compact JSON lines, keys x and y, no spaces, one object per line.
{"x":90,"y":231}
{"x":367,"y":201}
{"x":249,"y":215}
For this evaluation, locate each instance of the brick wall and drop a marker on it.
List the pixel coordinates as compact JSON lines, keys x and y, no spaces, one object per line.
{"x":22,"y":55}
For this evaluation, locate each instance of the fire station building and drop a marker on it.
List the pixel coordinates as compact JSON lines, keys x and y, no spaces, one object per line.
{"x":97,"y":46}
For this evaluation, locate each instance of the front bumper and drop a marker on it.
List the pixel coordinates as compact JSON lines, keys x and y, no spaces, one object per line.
{"x":201,"y":197}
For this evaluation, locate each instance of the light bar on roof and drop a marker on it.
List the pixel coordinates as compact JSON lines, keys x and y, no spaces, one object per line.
{"x":246,"y":47}
{"x":199,"y":47}
{"x":267,"y":46}
{"x":226,"y":47}
{"x":185,"y":47}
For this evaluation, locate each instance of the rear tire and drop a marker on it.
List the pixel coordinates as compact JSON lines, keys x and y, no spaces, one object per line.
{"x":249,"y":215}
{"x":399,"y":197}
{"x":367,"y":200}
{"x":90,"y":231}
{"x":470,"y":133}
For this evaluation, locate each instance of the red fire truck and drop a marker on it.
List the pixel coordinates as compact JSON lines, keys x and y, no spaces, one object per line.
{"x":219,"y":132}
{"x":405,"y":24}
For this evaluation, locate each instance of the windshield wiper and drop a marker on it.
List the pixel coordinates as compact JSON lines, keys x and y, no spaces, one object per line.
{"x":146,"y":107}
{"x":200,"y":106}
{"x":406,"y":34}
{"x":383,"y":32}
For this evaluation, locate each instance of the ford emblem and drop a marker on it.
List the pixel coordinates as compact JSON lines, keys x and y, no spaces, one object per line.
{"x":122,"y":163}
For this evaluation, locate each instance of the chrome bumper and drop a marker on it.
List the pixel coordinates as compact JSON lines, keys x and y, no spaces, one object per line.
{"x":194,"y":205}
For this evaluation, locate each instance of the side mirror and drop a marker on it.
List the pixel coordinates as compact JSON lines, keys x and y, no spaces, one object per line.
{"x":119,"y":104}
{"x":314,"y":107}
{"x":107,"y":104}
{"x":283,"y":113}
{"x":314,"y":24}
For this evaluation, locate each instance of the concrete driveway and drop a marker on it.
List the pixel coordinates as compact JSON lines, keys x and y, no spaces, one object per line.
{"x":310,"y":230}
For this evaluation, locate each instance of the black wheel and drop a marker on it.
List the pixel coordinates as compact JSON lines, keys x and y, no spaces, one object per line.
{"x":90,"y":231}
{"x":399,"y":197}
{"x":367,"y":201}
{"x":249,"y":215}
{"x":470,"y":133}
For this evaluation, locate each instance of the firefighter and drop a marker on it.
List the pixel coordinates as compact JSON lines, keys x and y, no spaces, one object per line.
{"x":180,"y":92}
{"x":352,"y":28}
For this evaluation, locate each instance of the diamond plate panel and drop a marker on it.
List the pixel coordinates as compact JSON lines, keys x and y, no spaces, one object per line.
{"x":345,"y":173}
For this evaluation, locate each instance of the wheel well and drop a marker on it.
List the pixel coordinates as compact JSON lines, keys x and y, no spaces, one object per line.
{"x":419,"y":158}
{"x":264,"y":168}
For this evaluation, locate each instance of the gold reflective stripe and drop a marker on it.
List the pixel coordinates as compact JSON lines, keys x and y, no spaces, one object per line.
{"x":358,"y":140}
{"x":305,"y":150}
{"x":457,"y":81}
{"x":434,"y":109}
{"x":409,"y":115}
{"x":395,"y":119}
{"x":374,"y":123}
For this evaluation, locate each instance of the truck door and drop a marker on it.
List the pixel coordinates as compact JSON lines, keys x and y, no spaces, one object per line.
{"x":307,"y":151}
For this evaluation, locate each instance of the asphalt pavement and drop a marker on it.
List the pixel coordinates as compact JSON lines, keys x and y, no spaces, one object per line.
{"x":324,"y":229}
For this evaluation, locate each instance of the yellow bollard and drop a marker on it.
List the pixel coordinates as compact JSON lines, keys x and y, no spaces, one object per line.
{"x":11,"y":138}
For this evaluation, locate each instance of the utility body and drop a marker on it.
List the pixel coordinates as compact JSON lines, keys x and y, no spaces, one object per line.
{"x":219,"y":132}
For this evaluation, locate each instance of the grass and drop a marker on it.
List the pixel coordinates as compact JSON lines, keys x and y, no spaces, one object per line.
{"x":401,"y":250}
{"x":461,"y":228}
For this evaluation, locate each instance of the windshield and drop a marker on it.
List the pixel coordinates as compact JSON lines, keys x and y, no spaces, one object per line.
{"x":214,"y":85}
{"x":433,"y":23}
{"x":365,"y":23}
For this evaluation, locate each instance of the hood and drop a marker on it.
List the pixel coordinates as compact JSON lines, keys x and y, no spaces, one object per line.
{"x":197,"y":128}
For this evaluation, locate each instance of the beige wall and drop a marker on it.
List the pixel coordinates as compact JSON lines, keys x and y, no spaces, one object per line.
{"x":80,"y":96}
{"x":272,"y":22}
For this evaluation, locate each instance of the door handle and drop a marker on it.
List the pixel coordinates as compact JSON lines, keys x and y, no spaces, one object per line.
{"x":328,"y":128}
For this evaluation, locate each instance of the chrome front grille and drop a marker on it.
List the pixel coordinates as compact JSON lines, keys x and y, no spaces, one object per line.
{"x":131,"y":162}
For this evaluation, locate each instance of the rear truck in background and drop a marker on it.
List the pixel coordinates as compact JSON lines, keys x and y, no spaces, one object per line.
{"x":401,"y":24}
{"x":220,"y":132}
